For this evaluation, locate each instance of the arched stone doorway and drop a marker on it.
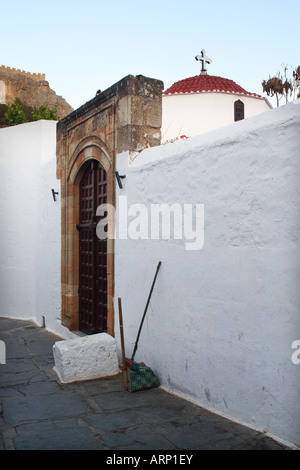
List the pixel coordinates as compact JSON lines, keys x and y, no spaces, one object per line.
{"x":124,"y":118}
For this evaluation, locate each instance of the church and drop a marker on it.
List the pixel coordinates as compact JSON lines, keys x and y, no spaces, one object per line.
{"x":200,"y":104}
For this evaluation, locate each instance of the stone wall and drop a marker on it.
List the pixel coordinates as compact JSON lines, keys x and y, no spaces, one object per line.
{"x":31,"y":88}
{"x":12,"y":73}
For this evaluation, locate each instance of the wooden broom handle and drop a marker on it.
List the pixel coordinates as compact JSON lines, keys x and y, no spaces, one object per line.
{"x":121,"y":332}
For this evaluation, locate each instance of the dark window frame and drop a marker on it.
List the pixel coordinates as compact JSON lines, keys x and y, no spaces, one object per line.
{"x":239,"y":110}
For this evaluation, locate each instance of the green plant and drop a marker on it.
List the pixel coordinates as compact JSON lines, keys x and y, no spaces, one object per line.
{"x":3,"y":110}
{"x":43,"y":112}
{"x":18,"y":113}
{"x":15,"y":113}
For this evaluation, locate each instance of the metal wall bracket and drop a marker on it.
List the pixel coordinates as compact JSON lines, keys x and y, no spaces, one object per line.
{"x":54,"y":194}
{"x":119,"y":177}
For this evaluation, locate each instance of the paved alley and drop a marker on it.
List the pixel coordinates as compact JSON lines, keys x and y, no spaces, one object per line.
{"x":37,"y":412}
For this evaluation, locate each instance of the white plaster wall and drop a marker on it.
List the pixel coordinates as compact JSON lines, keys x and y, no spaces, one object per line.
{"x":194,"y":114}
{"x":222,"y":320}
{"x":30,"y":223}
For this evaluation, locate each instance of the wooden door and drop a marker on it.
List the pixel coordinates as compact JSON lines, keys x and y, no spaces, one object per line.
{"x":92,"y":252}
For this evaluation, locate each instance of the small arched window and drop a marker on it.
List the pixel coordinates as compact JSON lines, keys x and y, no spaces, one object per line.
{"x":238,"y":110}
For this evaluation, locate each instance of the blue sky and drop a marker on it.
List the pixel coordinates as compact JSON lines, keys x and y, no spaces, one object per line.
{"x":86,"y":45}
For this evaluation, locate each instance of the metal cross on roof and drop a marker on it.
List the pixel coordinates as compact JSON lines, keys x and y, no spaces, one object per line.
{"x":204,"y":61}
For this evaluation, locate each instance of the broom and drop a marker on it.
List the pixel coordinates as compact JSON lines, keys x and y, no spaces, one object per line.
{"x":131,"y":363}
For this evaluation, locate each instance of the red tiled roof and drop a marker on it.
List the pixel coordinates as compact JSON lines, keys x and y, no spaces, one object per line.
{"x":206,"y":83}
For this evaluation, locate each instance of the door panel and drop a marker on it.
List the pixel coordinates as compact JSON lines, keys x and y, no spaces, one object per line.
{"x":92,"y":252}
